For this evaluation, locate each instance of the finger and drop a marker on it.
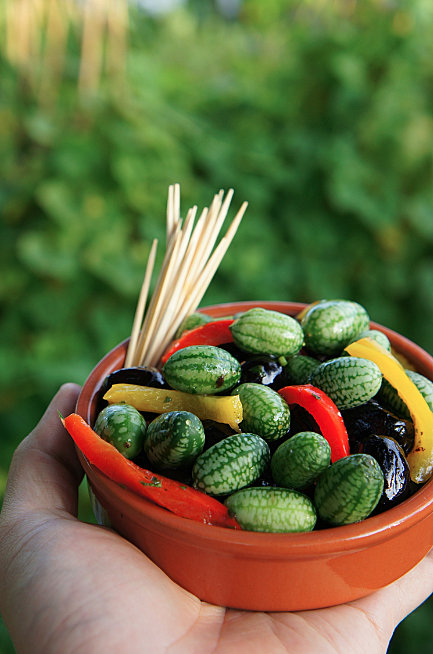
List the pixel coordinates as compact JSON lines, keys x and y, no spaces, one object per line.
{"x":45,"y":471}
{"x":390,"y":605}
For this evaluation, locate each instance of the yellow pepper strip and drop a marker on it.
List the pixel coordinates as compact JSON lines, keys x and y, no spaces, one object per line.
{"x":226,"y":409}
{"x":420,"y":458}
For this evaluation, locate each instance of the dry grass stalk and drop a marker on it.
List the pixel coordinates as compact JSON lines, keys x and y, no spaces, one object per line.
{"x":36,"y":34}
{"x":53,"y":54}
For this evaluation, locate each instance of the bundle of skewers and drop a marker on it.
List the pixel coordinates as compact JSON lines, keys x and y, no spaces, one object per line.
{"x":192,"y":256}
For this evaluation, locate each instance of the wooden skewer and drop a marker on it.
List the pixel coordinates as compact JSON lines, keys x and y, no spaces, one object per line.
{"x":210,"y":269}
{"x":176,"y":201}
{"x":173,"y":209}
{"x":175,"y":297}
{"x":139,"y":313}
{"x":170,"y":213}
{"x":207,"y":237}
{"x":190,"y":262}
{"x":192,"y":254}
{"x":150,"y":325}
{"x":191,"y":303}
{"x":216,"y":217}
{"x":157,"y":307}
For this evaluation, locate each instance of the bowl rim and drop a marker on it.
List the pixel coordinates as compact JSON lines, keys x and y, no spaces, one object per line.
{"x":330,"y":540}
{"x":322,"y":542}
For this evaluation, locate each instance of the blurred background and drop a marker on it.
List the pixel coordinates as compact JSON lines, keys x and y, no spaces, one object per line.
{"x":317,"y":112}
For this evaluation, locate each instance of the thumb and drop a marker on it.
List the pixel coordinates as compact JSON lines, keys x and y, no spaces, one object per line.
{"x":45,"y":471}
{"x":390,"y":605}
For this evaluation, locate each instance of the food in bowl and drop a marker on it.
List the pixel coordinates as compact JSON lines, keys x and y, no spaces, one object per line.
{"x":331,"y":439}
{"x":258,"y":570}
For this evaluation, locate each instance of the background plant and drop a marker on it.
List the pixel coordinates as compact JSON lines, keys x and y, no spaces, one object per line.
{"x":319,"y":114}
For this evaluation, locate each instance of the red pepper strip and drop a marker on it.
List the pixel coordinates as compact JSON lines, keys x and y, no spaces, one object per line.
{"x":178,"y":498}
{"x":216,"y":333}
{"x":324,"y":412}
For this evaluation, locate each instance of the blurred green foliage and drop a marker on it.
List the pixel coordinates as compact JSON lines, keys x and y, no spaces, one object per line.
{"x":319,"y":114}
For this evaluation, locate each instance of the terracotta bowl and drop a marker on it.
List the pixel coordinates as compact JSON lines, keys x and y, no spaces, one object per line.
{"x":268,"y":572}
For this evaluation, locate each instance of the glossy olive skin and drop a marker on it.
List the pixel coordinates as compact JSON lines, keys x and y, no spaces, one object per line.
{"x":214,"y":432}
{"x":371,"y":418}
{"x":235,"y":351}
{"x":393,"y":463}
{"x":265,"y":370}
{"x":302,"y":420}
{"x":140,"y":375}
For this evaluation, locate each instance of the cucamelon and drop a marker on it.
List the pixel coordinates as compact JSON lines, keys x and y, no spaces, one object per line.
{"x":330,"y":325}
{"x":190,"y":322}
{"x":174,"y":440}
{"x":231,"y":464}
{"x":264,"y":411}
{"x":298,"y":461}
{"x":272,"y":509}
{"x":377,"y":336}
{"x":349,"y":381}
{"x":389,"y":396}
{"x":299,"y":368}
{"x":122,"y":426}
{"x":262,"y":331}
{"x":349,"y":490}
{"x":202,"y":369}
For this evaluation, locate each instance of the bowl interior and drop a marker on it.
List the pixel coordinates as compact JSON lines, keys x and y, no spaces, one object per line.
{"x":374,"y":529}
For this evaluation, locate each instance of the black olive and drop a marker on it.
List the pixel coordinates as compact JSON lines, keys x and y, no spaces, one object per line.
{"x":395,"y":468}
{"x":371,"y":418}
{"x":235,"y":351}
{"x":214,"y":432}
{"x":265,"y":370}
{"x":302,"y":420}
{"x":140,"y":375}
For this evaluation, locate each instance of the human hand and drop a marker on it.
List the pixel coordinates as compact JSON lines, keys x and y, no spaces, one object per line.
{"x":67,"y":586}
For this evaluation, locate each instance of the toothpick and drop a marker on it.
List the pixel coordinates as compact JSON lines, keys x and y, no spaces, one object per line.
{"x":191,"y":260}
{"x":139,"y":313}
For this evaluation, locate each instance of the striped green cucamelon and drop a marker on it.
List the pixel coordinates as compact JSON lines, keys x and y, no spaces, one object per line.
{"x":122,"y":426}
{"x":271,"y":509}
{"x":349,"y":490}
{"x":424,"y":385}
{"x":330,"y":325}
{"x":349,"y":381}
{"x":264,"y":411}
{"x":377,"y":336}
{"x":196,"y":320}
{"x":262,"y":331}
{"x":174,"y":440}
{"x":231,"y":464}
{"x":299,"y":368}
{"x":298,"y":461}
{"x":203,"y":369}
{"x":193,"y":320}
{"x":390,"y":398}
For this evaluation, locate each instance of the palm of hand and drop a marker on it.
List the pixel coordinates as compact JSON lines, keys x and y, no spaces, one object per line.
{"x":66,"y":586}
{"x":97,"y":593}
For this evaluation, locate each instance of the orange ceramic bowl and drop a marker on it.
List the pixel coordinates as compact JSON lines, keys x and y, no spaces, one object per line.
{"x":261,"y":571}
